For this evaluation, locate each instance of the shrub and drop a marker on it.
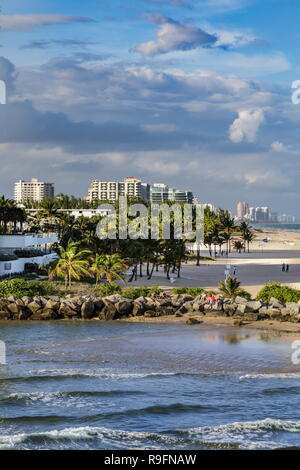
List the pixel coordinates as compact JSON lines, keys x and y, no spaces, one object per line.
{"x":195,"y":291}
{"x":20,"y":287}
{"x":142,"y":291}
{"x":279,"y":292}
{"x":107,"y":289}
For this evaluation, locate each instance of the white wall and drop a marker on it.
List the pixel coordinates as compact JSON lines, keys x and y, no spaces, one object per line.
{"x":26,"y":241}
{"x":18,"y":266}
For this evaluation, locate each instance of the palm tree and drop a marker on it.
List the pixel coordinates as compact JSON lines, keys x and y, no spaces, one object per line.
{"x":238,"y":245}
{"x":231,"y":288}
{"x":110,"y":267}
{"x":228,"y":226}
{"x":73,"y":263}
{"x":248,"y":237}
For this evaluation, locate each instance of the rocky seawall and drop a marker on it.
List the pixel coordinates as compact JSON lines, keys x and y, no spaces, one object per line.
{"x":116,"y":307}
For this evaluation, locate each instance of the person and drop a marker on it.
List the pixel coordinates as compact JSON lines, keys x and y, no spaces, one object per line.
{"x":212,"y":299}
{"x":283,"y":267}
{"x":287,"y":268}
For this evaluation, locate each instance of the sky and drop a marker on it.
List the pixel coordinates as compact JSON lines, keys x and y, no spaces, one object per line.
{"x":192,"y":93}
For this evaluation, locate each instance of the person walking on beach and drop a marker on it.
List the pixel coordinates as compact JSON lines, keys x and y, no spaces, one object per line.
{"x":283,"y":267}
{"x":287,"y":268}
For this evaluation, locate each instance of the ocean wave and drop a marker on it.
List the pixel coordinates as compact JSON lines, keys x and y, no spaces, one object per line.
{"x":45,"y":397}
{"x":104,"y":436}
{"x":279,"y":375}
{"x":250,"y":435}
{"x":239,"y":435}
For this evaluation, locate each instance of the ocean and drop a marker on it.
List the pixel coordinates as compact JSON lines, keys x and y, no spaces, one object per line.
{"x":92,"y":385}
{"x":283,"y":227}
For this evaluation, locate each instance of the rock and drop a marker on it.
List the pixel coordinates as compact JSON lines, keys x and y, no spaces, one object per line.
{"x":198,"y":307}
{"x":276,"y":303}
{"x":87,"y":309}
{"x":34,"y":306}
{"x":5,"y":315}
{"x":109,"y":311}
{"x":230,"y":309}
{"x":12,"y":298}
{"x":193,"y":321}
{"x":14,"y":308}
{"x":99,"y":304}
{"x":124,"y":307}
{"x":251,"y":317}
{"x":293,"y":307}
{"x":24,"y":314}
{"x":166,"y":311}
{"x":138,"y":309}
{"x":66,"y":311}
{"x":26,"y":300}
{"x":240,"y":300}
{"x":253,"y":306}
{"x":237,"y":323}
{"x":150,"y":314}
{"x":52,"y":304}
{"x":241,"y":309}
{"x":49,"y":314}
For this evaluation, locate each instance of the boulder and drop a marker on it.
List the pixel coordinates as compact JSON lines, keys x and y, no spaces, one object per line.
{"x":166,"y":311}
{"x":26,"y":300}
{"x":109,"y":311}
{"x":138,"y":308}
{"x":151,"y":314}
{"x":230,"y":308}
{"x":49,"y":314}
{"x":66,"y":311}
{"x":24,"y":314}
{"x":124,"y":307}
{"x":34,"y":306}
{"x":5,"y":315}
{"x":293,"y":307}
{"x":14,"y":308}
{"x":52,"y":304}
{"x":198,"y":307}
{"x":87,"y":309}
{"x":241,"y":309}
{"x":253,"y":306}
{"x":276,"y":303}
{"x":240,"y":300}
{"x":193,"y":321}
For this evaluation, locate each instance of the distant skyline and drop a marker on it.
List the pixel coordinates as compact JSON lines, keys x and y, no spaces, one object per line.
{"x":194,"y":94}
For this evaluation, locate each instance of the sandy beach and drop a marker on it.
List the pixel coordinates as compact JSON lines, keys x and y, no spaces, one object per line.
{"x":254,"y":269}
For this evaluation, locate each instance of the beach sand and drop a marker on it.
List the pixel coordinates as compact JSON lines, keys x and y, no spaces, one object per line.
{"x":263,"y":264}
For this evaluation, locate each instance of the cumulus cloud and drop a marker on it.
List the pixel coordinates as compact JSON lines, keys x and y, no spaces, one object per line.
{"x":174,"y":36}
{"x":28,"y":22}
{"x":277,"y":146}
{"x":246,"y":126}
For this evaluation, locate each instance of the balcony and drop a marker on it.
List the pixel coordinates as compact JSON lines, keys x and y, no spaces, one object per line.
{"x":27,"y":240}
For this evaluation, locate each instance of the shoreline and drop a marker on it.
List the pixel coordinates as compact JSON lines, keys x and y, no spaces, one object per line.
{"x":282,"y":328}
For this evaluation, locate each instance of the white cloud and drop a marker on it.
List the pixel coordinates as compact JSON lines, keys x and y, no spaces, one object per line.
{"x":28,"y":22}
{"x":279,"y":147}
{"x":246,"y":126}
{"x":174,"y":36}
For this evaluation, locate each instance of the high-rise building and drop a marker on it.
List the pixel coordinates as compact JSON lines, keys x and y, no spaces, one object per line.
{"x":131,"y":187}
{"x":262,"y":214}
{"x":242,"y":210}
{"x":161,"y":193}
{"x":34,"y":190}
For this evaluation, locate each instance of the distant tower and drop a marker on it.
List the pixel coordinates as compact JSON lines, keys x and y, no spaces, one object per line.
{"x":242,"y":210}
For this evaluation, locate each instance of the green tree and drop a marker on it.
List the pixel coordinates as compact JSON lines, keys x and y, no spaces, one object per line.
{"x":231,"y":288}
{"x":72,"y":264}
{"x":110,"y":267}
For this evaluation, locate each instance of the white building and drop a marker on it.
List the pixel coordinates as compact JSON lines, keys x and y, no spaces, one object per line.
{"x":162,"y":192}
{"x":75,"y":212}
{"x":111,"y":190}
{"x":10,"y":243}
{"x":33,"y":190}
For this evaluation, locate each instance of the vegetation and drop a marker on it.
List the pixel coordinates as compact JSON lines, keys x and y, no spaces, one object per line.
{"x":279,"y":292}
{"x":189,"y":291}
{"x":107,"y":289}
{"x":72,"y":264}
{"x":231,"y":288}
{"x":142,"y":291}
{"x":21,"y":287}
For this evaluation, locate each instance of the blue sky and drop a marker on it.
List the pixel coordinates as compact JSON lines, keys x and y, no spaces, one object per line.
{"x":196,"y":94}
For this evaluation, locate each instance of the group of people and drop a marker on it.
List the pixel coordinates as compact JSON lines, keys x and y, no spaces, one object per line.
{"x":285,"y":268}
{"x":212,"y":300}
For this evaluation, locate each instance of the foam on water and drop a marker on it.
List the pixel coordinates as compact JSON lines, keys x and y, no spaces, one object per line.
{"x":279,"y":375}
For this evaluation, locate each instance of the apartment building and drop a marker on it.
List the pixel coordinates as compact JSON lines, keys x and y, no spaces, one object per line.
{"x":131,"y":187}
{"x":161,"y":193}
{"x":34,"y":190}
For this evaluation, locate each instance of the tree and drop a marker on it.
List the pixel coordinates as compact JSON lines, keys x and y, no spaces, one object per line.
{"x":73,"y":263}
{"x":110,"y":267}
{"x":231,"y":288}
{"x":228,"y":226}
{"x":238,"y":245}
{"x":247,"y":234}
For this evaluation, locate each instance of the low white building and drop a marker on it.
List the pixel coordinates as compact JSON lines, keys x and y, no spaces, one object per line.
{"x":10,"y":243}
